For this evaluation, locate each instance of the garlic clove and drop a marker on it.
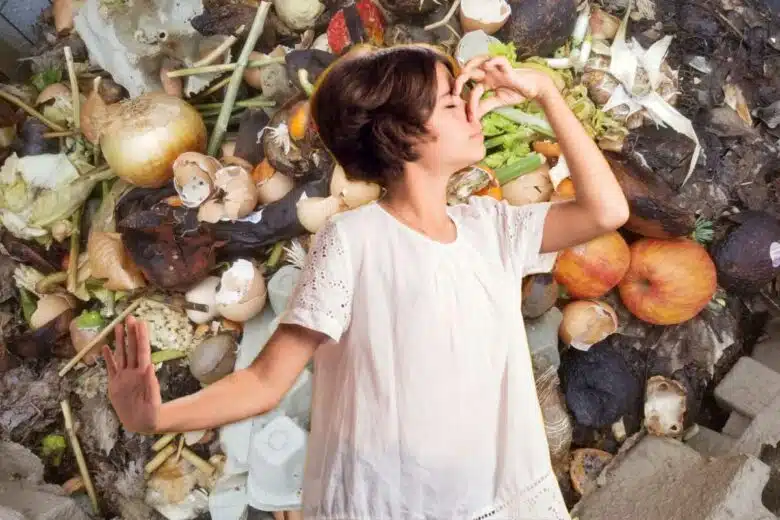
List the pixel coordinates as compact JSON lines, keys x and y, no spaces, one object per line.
{"x":314,"y":212}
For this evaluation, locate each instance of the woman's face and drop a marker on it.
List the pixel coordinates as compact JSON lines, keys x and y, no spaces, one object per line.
{"x":458,"y":142}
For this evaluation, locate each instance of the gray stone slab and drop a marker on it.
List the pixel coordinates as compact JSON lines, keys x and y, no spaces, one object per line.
{"x":768,"y":354}
{"x":748,"y":388}
{"x":736,"y":425}
{"x":19,"y":463}
{"x":663,"y":479}
{"x":711,"y":443}
{"x":39,"y":502}
{"x":764,"y":429}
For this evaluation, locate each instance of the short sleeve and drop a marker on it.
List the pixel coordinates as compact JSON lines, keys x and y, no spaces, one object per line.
{"x":522,"y":228}
{"x":322,"y":298}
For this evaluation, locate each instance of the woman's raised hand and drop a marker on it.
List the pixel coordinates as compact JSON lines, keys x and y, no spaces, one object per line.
{"x":509,"y":85}
{"x":132,"y":384}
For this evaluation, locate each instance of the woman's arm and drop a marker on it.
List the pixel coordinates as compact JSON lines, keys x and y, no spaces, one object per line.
{"x":600,"y":204}
{"x":135,"y":392}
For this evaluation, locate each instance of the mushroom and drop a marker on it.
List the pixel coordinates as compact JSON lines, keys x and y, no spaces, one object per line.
{"x":213,"y":358}
{"x":242,"y":292}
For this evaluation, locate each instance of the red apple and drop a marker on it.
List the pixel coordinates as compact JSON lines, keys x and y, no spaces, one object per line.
{"x":669,"y":281}
{"x":592,"y":269}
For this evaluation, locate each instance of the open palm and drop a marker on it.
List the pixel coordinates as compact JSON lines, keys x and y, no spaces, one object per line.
{"x":132,"y":384}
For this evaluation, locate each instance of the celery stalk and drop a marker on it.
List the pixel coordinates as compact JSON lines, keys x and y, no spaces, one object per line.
{"x":520,"y":167}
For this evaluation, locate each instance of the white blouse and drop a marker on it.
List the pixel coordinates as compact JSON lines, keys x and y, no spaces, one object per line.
{"x":424,"y":405}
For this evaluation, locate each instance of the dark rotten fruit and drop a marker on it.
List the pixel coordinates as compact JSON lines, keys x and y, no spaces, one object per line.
{"x":749,"y":257}
{"x":539,"y":27}
{"x":357,"y":23}
{"x":652,"y":212}
{"x":410,"y":7}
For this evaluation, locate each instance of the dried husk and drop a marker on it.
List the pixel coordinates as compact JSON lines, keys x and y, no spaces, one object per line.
{"x":108,"y":259}
{"x":93,"y":114}
{"x":557,"y":422}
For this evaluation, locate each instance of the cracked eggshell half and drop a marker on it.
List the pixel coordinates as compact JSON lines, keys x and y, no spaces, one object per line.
{"x":193,"y":177}
{"x":205,"y":293}
{"x":473,"y":44}
{"x":242,"y":292}
{"x":486,"y":15}
{"x":240,"y":192}
{"x":586,"y":322}
{"x":665,"y":406}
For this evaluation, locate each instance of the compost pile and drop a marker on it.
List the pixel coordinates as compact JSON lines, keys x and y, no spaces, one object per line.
{"x":160,"y":162}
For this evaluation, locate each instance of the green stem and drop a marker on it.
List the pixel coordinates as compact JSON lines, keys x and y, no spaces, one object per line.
{"x":227,"y":67}
{"x":276,"y":255}
{"x":46,"y":284}
{"x":75,"y":245}
{"x":520,"y":167}
{"x":161,"y":356}
{"x":220,"y":127}
{"x":246,"y":103}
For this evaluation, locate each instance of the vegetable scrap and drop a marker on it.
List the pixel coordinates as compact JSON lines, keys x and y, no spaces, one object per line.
{"x":171,"y":171}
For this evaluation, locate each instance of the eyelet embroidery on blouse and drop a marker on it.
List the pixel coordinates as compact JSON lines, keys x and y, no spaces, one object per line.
{"x":324,"y":287}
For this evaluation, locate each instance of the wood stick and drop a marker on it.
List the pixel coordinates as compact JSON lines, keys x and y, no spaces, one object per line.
{"x":76,"y":447}
{"x":223,"y":120}
{"x":52,"y":135}
{"x":181,"y":446}
{"x":446,"y":19}
{"x":216,"y":53}
{"x":100,"y":337}
{"x":30,"y":110}
{"x":212,"y":89}
{"x":226,"y":67}
{"x":74,"y":87}
{"x":75,"y":246}
{"x":192,"y":458}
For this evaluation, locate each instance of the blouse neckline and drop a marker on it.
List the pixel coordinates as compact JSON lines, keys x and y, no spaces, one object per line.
{"x":421,"y":236}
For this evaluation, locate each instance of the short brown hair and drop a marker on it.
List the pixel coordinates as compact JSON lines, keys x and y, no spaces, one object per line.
{"x":371,"y":106}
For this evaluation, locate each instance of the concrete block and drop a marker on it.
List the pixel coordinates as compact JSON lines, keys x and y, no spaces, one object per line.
{"x":748,"y":388}
{"x":711,"y":443}
{"x":768,"y":354}
{"x":39,"y":502}
{"x":663,"y":479}
{"x":764,"y":429}
{"x":736,"y":425}
{"x":19,"y":463}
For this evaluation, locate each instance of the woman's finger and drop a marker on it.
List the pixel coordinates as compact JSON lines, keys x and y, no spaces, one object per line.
{"x":108,"y":357}
{"x":464,"y":77}
{"x":119,"y":346}
{"x":131,"y":343}
{"x":474,"y":98}
{"x":142,"y":340}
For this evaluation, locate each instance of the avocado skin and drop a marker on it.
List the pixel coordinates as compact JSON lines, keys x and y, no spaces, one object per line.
{"x":742,"y":257}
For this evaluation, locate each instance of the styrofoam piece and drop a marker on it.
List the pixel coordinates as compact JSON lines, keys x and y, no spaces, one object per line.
{"x":277,"y":456}
{"x":229,"y":500}
{"x":281,"y":285}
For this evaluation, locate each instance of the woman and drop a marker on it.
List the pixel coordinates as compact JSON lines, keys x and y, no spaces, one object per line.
{"x":424,"y":401}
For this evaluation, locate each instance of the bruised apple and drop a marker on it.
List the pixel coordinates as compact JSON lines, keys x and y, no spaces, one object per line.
{"x":669,"y":281}
{"x":592,"y":269}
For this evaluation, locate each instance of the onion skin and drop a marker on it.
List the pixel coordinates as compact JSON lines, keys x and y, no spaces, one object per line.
{"x":669,"y":281}
{"x":146,"y":134}
{"x":592,"y":269}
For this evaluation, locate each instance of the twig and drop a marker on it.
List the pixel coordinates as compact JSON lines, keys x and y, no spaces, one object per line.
{"x":48,"y":282}
{"x":196,"y":461}
{"x":216,"y":53}
{"x":74,"y":87}
{"x":76,"y":447}
{"x":248,"y":103}
{"x":75,"y":246}
{"x":161,"y":356}
{"x":235,"y":81}
{"x":52,"y":135}
{"x":163,"y":441}
{"x":30,"y":110}
{"x":218,"y":85}
{"x":444,"y":21}
{"x":159,"y":459}
{"x":178,"y":451}
{"x":100,"y":337}
{"x":227,"y":67}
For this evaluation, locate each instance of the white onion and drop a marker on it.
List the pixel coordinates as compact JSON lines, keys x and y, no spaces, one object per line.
{"x":144,"y":135}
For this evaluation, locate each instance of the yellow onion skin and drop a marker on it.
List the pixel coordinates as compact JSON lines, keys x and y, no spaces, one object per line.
{"x":146,"y":134}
